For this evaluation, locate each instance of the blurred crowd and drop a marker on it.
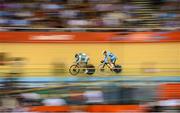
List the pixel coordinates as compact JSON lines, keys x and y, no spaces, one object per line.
{"x":152,"y":96}
{"x":89,"y":13}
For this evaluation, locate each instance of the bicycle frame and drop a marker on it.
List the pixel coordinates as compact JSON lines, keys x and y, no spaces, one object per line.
{"x":106,"y":64}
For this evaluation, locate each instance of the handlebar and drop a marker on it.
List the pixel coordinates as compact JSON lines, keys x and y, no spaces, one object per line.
{"x":102,"y":61}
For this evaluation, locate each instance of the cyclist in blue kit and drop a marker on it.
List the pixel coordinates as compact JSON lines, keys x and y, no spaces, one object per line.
{"x":109,"y":58}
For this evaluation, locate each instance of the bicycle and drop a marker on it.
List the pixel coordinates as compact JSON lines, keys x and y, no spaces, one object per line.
{"x":77,"y":68}
{"x":116,"y":69}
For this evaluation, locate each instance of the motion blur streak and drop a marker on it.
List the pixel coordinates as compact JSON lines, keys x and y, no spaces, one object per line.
{"x":89,"y":56}
{"x":154,"y":59}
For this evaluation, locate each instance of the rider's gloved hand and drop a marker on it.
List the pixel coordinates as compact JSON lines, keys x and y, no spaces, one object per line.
{"x":102,"y":61}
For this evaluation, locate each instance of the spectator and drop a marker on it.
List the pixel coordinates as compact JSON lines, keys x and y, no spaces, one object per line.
{"x":54,"y":102}
{"x":94,"y":96}
{"x":88,"y":13}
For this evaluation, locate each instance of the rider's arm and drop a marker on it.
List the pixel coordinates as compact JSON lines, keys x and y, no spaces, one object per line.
{"x":79,"y":59}
{"x":106,"y":60}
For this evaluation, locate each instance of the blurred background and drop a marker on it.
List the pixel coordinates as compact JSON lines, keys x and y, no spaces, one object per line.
{"x":39,"y":38}
{"x":89,"y":13}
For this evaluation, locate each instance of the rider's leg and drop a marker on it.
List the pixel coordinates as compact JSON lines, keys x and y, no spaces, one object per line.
{"x":112,"y":63}
{"x":86,"y":60}
{"x":85,"y":66}
{"x":85,"y":63}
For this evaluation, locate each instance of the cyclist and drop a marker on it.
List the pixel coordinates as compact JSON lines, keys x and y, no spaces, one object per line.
{"x":109,"y":58}
{"x":81,"y":58}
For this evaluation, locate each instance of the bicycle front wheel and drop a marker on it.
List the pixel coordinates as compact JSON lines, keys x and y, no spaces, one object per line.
{"x":74,"y":70}
{"x":101,"y":68}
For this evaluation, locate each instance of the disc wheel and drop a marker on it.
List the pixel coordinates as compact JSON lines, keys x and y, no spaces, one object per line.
{"x":117,"y":69}
{"x":90,"y":69}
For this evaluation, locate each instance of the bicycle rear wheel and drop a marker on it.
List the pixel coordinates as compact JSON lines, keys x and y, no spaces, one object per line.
{"x":74,"y":70}
{"x":90,"y":69}
{"x":117,"y":69}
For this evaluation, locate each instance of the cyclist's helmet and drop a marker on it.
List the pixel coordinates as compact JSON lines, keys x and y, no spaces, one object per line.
{"x":76,"y":55}
{"x":104,"y":52}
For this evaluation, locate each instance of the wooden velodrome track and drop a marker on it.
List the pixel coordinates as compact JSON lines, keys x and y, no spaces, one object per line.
{"x":163,"y":58}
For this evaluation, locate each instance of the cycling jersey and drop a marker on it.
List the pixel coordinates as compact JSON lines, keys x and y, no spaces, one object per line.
{"x":82,"y":57}
{"x":110,"y":57}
